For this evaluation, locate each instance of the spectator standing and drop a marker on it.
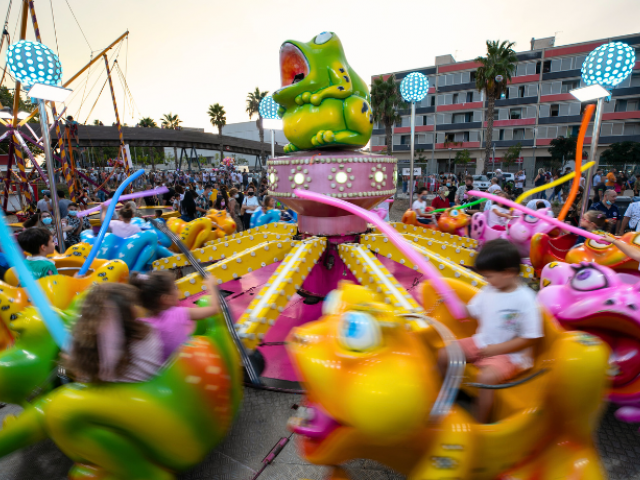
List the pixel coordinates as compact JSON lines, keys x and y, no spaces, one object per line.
{"x":521,"y":178}
{"x":541,"y":179}
{"x":631,"y":219}
{"x":63,"y":204}
{"x":44,"y":204}
{"x":611,"y":179}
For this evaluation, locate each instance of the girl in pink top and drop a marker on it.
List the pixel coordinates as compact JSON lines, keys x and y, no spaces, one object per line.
{"x":159,"y":296}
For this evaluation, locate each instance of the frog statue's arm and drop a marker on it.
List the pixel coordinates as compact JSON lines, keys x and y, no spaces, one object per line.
{"x":341,"y":86}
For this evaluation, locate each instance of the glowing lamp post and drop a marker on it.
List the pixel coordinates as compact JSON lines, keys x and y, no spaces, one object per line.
{"x":604,"y":68}
{"x":413,"y":88}
{"x":38,"y":69}
{"x":268,"y":110}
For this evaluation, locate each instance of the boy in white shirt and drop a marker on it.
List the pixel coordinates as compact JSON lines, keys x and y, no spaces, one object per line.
{"x":509,"y":323}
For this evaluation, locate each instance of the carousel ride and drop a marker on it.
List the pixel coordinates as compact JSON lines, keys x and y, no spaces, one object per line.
{"x":364,"y":354}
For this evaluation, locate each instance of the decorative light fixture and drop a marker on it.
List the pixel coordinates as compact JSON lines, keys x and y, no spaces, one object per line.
{"x":609,"y":64}
{"x":49,"y":93}
{"x":414,"y":87}
{"x":592,"y":92}
{"x":32,"y":62}
{"x":268,"y":110}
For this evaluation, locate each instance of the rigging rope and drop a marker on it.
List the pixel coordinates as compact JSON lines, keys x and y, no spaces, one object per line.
{"x":74,"y":17}
{"x":85,"y":87}
{"x":96,"y":102}
{"x":55,"y":31}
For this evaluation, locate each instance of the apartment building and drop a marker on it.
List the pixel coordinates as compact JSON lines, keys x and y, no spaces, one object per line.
{"x":536,"y":108}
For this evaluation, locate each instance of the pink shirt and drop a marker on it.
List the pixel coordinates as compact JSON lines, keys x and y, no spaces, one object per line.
{"x":174,"y":327}
{"x":124,"y":230}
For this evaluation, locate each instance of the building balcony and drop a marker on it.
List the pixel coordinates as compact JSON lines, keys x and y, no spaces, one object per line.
{"x":459,"y":106}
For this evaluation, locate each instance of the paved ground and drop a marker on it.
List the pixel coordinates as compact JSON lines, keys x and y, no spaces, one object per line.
{"x":262,"y":422}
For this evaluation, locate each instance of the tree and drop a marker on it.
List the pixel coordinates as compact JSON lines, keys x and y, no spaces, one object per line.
{"x":562,"y":149}
{"x":621,"y":153}
{"x":169,"y":120}
{"x":147,"y":122}
{"x":253,"y":106}
{"x":97,"y":122}
{"x":512,"y":155}
{"x":218,"y":118}
{"x":385,"y":103}
{"x":462,"y":157}
{"x":492,"y":79}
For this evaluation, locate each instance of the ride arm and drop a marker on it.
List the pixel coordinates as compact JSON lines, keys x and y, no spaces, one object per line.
{"x":341,"y":85}
{"x":213,"y":308}
{"x":630,"y":251}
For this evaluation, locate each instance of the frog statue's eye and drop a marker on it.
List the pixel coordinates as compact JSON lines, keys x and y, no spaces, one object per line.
{"x":531,"y":219}
{"x":324,"y":37}
{"x":454,"y":213}
{"x":588,"y":279}
{"x":359,"y":332}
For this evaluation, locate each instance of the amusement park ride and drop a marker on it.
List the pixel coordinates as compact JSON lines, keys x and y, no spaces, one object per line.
{"x":341,"y":306}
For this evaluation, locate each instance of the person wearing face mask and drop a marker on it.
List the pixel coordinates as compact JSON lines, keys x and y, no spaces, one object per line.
{"x":442,"y":200}
{"x":420,"y":207}
{"x":74,"y":225}
{"x":249,"y":205}
{"x":610,"y":209}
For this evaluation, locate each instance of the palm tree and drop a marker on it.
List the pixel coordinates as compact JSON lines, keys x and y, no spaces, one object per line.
{"x":147,"y":122}
{"x":217,"y":116}
{"x":169,"y":120}
{"x":253,"y":105}
{"x":385,"y":103}
{"x":492,"y":78}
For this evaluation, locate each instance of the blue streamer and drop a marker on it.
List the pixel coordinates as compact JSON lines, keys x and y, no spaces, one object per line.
{"x":15,"y":258}
{"x":105,"y":225}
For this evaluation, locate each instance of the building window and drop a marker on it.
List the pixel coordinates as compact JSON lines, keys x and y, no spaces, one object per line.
{"x":459,"y":118}
{"x":546,"y":68}
{"x":449,"y":137}
{"x":568,"y":85}
{"x":405,"y":140}
{"x":635,"y":80}
{"x":518,"y":133}
{"x":621,"y":106}
{"x":515,"y":113}
{"x":555,"y":110}
{"x":469,"y":97}
{"x":501,"y":135}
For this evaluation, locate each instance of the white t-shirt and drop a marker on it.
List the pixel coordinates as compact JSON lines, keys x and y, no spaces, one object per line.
{"x":532,"y":204}
{"x":495,"y":219}
{"x":633,"y":212}
{"x":252,"y":203}
{"x":520,"y":181}
{"x":124,"y":230}
{"x":419,"y":207}
{"x":505,"y":316}
{"x":493,"y":188}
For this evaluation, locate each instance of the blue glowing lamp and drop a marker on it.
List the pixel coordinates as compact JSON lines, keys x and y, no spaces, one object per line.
{"x":609,"y":65}
{"x":414,"y":87}
{"x":269,"y":108}
{"x":32,"y":62}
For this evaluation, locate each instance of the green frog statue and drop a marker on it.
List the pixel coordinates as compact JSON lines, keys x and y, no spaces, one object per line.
{"x":323,"y":101}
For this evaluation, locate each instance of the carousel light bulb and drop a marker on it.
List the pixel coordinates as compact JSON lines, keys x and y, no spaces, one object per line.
{"x":32,"y":62}
{"x":599,"y":67}
{"x":268,"y":108}
{"x":414,"y":87}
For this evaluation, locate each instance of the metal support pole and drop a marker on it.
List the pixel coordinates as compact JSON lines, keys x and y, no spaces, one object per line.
{"x":115,"y":108}
{"x":46,"y":143}
{"x":595,"y":137}
{"x":273,"y":143}
{"x":413,"y":131}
